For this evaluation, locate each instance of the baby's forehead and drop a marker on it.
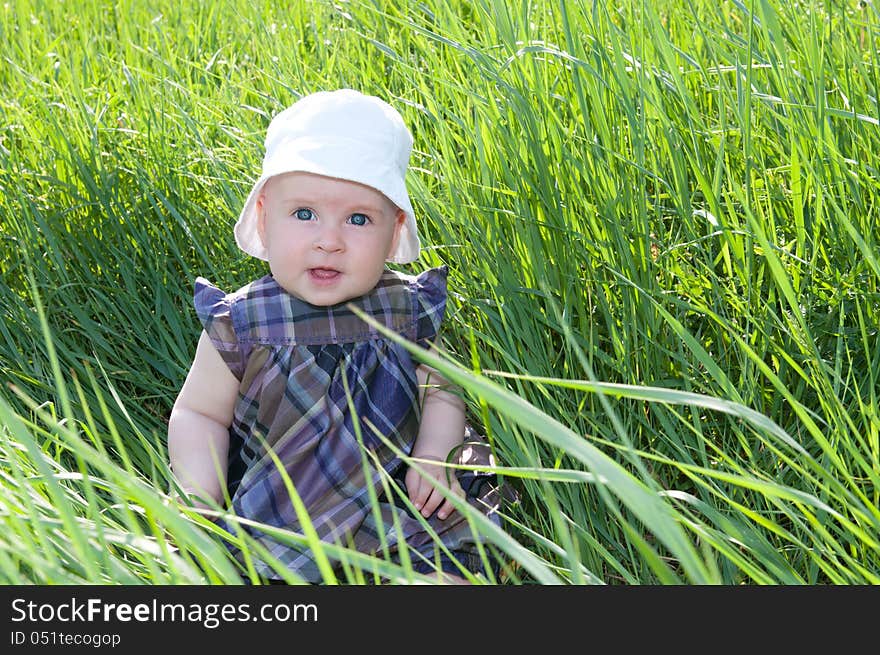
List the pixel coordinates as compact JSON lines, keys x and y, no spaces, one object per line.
{"x":309,"y":186}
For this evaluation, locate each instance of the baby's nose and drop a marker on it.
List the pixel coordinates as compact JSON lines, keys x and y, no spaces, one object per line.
{"x":329,"y":239}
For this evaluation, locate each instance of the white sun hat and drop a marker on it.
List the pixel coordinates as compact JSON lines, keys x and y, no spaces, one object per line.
{"x":343,"y":134}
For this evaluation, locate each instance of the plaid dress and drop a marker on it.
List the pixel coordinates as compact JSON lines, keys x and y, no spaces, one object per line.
{"x":290,"y":358}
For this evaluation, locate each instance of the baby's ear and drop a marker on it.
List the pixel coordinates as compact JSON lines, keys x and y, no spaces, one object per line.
{"x":261,"y":219}
{"x":399,"y":220}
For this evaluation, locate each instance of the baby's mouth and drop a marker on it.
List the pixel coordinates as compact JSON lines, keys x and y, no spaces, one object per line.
{"x":324,"y":273}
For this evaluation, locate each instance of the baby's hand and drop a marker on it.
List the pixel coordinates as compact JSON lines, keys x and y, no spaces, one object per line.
{"x":191,"y":500}
{"x":422,"y":493}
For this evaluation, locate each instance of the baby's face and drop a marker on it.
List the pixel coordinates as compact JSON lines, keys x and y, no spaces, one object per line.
{"x":327,"y":239}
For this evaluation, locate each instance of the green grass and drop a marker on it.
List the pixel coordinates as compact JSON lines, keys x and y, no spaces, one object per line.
{"x":661,"y":227}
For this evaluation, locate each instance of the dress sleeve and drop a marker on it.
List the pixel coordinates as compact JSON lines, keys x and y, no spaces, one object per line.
{"x":430,"y":290}
{"x":214,"y":309}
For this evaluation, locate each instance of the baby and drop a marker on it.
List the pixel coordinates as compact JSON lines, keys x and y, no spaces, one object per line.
{"x":329,"y":210}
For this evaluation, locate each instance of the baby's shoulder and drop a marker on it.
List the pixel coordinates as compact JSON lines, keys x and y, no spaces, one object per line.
{"x":428,"y":286}
{"x":253,"y":288}
{"x":208,"y":295}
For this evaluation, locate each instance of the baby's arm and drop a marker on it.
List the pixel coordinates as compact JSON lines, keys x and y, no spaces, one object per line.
{"x":198,"y":428}
{"x":441,"y":430}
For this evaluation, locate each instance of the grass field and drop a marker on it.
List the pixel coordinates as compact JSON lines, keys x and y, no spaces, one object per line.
{"x":661,"y":226}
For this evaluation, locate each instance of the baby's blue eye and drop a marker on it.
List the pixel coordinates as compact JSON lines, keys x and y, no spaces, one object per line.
{"x":359,"y":219}
{"x":304,"y":214}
